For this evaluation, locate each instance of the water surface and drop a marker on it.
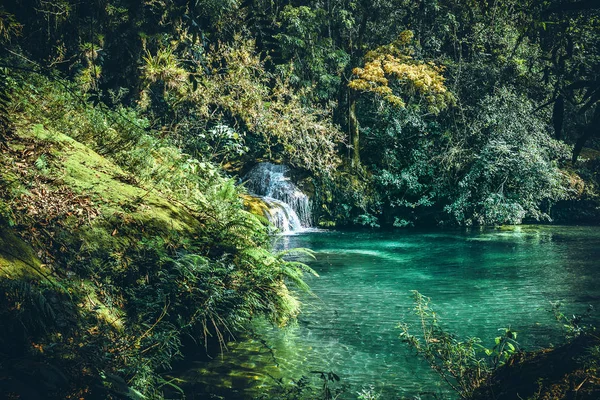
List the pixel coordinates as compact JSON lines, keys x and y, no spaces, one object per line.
{"x":479,"y":281}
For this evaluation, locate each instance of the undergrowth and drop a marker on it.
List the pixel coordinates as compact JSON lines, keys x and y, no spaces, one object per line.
{"x":151,"y":248}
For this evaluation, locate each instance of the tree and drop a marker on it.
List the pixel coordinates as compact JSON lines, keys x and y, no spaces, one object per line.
{"x":568,"y":34}
{"x":513,"y":167}
{"x":391,"y":73}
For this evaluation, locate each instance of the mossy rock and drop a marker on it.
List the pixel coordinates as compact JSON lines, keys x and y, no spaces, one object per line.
{"x":88,"y":173}
{"x":255,"y":205}
{"x":120,"y":212}
{"x":17,"y":259}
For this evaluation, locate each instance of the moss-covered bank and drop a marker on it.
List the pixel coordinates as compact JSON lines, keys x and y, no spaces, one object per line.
{"x":117,"y":249}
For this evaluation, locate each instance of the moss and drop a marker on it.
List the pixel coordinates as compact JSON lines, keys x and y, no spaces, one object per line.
{"x":255,"y":205}
{"x":17,"y":259}
{"x":86,"y":172}
{"x":19,"y":262}
{"x":124,"y":214}
{"x":110,"y":315}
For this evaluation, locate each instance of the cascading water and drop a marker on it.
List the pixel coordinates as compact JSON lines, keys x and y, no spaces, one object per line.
{"x":289,"y":208}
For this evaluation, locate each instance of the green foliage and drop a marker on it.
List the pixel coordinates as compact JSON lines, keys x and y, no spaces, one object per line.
{"x":346,"y":199}
{"x":169,"y":252}
{"x":228,"y":95}
{"x":505,"y":347}
{"x":416,"y":82}
{"x":6,"y":215}
{"x":514,"y":166}
{"x":218,"y":144}
{"x":277,"y":75}
{"x":9,"y":26}
{"x":456,"y":361}
{"x":465,"y":365}
{"x":368,"y":394}
{"x":407,"y":172}
{"x":112,"y":171}
{"x":502,"y":168}
{"x":24,"y":308}
{"x":314,"y":60}
{"x":574,"y":325}
{"x":163,"y":67}
{"x":277,"y":122}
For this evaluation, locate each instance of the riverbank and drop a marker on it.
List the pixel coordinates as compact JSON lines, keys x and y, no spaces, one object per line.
{"x":116,"y":246}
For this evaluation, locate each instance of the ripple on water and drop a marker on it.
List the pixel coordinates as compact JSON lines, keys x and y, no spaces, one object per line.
{"x":479,"y":281}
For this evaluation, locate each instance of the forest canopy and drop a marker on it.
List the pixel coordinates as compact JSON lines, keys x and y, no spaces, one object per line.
{"x":382,"y":103}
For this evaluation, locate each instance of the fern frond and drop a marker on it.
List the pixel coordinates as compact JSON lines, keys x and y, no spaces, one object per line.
{"x":297,"y":251}
{"x":302,"y":267}
{"x":33,"y":310}
{"x":295,"y":276}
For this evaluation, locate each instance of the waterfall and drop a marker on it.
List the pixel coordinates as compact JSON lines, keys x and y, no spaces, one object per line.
{"x":289,"y":208}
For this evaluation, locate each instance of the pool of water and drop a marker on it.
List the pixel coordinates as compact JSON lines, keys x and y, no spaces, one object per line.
{"x":478,"y":280}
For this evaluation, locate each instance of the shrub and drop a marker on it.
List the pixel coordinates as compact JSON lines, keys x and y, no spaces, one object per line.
{"x":514,"y":165}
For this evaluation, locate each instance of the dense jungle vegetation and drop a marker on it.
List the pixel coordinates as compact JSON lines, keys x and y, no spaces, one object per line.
{"x":126,"y":235}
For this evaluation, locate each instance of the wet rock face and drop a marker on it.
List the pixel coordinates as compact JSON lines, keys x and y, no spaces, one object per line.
{"x":289,"y":207}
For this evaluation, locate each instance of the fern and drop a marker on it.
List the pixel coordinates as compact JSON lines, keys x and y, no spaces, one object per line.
{"x":41,"y":163}
{"x":25,"y":304}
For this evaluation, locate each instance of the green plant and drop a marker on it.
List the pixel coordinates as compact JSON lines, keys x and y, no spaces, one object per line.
{"x":328,"y":379}
{"x":144,"y":282}
{"x":574,"y":325}
{"x":460,"y":363}
{"x":505,"y":347}
{"x":368,"y":394}
{"x":516,"y":168}
{"x":218,"y":144}
{"x":25,"y":309}
{"x":6,"y":214}
{"x":9,"y":26}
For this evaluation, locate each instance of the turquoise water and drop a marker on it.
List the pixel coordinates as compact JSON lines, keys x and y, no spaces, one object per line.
{"x":479,"y":281}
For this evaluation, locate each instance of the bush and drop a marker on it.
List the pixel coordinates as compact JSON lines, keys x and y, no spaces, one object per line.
{"x":514,"y":166}
{"x":465,"y":365}
{"x":168,"y":252}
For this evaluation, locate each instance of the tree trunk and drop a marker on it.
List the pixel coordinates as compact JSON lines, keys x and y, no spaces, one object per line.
{"x":591,"y":130}
{"x":352,"y":120}
{"x":558,"y":114}
{"x":354,"y":132}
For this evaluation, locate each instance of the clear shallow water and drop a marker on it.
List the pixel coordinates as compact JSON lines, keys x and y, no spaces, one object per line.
{"x":479,"y":281}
